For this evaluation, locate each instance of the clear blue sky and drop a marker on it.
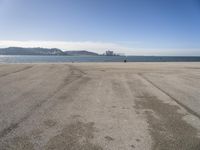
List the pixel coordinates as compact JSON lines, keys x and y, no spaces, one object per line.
{"x":163,"y":27}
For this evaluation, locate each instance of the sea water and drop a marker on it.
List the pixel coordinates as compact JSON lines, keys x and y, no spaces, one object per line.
{"x":62,"y":59}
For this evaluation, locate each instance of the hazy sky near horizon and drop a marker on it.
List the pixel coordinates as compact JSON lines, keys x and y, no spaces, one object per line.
{"x":140,"y":27}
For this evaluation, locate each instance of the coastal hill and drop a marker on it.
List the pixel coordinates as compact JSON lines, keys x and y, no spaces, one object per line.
{"x":30,"y":51}
{"x":42,"y":51}
{"x":82,"y":52}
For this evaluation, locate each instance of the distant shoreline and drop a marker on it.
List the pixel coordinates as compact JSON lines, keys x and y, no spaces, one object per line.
{"x":99,"y":58}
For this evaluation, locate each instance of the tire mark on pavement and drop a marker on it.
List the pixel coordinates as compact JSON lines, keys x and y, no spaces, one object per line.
{"x":74,"y":75}
{"x":166,"y":93}
{"x":17,"y":71}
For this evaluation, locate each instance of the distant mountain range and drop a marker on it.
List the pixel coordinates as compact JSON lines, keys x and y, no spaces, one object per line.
{"x":42,"y":51}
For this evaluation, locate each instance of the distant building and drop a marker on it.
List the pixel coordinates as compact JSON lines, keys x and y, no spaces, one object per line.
{"x":109,"y":53}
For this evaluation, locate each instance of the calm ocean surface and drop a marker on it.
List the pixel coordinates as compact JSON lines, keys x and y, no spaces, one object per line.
{"x":60,"y":59}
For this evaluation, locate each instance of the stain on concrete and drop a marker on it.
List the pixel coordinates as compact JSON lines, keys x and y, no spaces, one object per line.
{"x":109,"y":138}
{"x":116,"y":87}
{"x":75,"y":116}
{"x":192,"y":67}
{"x":50,"y":123}
{"x":137,"y":112}
{"x":132,"y":146}
{"x":75,"y":136}
{"x":69,"y":95}
{"x":36,"y":133}
{"x":138,"y":140}
{"x":168,"y":130}
{"x":17,"y":143}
